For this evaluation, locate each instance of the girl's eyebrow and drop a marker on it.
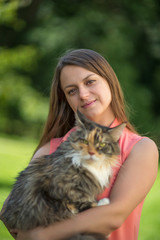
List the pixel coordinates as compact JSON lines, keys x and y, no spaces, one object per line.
{"x":73,"y":85}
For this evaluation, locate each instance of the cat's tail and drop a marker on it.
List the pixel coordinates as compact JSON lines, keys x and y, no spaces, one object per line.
{"x":87,"y":236}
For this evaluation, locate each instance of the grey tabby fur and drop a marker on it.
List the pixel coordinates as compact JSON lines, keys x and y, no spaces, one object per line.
{"x":57,"y":186}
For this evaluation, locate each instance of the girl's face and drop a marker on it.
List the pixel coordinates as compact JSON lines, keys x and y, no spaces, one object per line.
{"x":88,"y":92}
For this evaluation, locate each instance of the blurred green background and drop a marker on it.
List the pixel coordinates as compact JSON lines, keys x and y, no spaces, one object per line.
{"x":35,"y":33}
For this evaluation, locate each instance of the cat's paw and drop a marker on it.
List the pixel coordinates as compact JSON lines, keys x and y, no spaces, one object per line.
{"x":72,"y":208}
{"x":108,"y":236}
{"x":104,"y":201}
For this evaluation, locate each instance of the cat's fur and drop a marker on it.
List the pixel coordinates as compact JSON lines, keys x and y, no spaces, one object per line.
{"x":56,"y":186}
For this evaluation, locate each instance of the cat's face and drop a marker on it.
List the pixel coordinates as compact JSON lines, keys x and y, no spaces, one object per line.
{"x":95,"y":144}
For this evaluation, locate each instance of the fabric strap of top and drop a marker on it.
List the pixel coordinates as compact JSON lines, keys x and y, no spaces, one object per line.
{"x":54,"y":144}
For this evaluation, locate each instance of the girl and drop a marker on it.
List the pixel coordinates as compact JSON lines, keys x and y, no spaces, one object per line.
{"x":84,"y":79}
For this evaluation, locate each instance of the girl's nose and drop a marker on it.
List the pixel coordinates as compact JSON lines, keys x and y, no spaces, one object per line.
{"x":83,"y":93}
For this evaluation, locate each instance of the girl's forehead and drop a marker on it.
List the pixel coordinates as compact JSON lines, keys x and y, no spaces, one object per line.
{"x":69,"y":70}
{"x":74,"y":74}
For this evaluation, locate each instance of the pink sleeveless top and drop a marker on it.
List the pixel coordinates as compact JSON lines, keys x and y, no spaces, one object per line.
{"x":129,"y":229}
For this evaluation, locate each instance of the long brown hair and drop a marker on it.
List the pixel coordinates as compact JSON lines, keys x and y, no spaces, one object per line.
{"x":61,"y":117}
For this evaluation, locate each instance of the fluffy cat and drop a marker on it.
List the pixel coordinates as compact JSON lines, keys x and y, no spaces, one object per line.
{"x":57,"y":186}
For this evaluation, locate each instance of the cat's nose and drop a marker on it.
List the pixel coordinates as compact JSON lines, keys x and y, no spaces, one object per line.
{"x":91,"y":153}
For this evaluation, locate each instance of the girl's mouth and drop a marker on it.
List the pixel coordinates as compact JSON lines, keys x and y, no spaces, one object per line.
{"x":88,"y":104}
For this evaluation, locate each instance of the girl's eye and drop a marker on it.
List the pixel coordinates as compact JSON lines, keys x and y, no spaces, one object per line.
{"x":72,"y":91}
{"x":89,"y":82}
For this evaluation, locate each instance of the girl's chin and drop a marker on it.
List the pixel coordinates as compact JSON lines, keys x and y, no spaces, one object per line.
{"x":91,"y":115}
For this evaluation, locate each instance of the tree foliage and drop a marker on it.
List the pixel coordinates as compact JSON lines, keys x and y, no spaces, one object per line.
{"x":34,"y":33}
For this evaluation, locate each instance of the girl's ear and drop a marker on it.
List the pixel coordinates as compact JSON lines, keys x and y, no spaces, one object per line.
{"x":117,"y":131}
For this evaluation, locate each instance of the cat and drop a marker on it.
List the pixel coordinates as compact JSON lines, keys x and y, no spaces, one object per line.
{"x":57,"y":186}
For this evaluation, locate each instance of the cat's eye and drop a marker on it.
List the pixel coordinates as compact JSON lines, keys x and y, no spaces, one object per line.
{"x":102,"y":145}
{"x":84,"y":141}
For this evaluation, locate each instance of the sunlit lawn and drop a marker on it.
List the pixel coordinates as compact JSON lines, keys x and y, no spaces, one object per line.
{"x":15,"y":154}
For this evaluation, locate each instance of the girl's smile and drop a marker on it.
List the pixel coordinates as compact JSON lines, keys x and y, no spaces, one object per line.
{"x":89,"y":104}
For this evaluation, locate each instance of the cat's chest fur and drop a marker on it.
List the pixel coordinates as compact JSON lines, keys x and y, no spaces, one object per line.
{"x":100,"y":171}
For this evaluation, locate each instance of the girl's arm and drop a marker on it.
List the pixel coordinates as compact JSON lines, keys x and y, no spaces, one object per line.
{"x":134,"y":181}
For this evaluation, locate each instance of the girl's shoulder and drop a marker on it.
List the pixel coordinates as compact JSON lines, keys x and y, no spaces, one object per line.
{"x":56,"y":142}
{"x":147,"y":146}
{"x":133,"y":143}
{"x":44,"y":150}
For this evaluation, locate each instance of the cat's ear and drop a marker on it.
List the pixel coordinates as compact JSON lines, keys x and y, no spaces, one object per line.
{"x":117,"y":131}
{"x":82,"y":121}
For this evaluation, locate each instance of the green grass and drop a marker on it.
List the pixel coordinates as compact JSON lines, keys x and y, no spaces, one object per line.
{"x":150,"y":219}
{"x":15,"y":153}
